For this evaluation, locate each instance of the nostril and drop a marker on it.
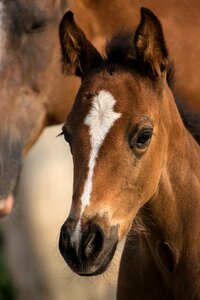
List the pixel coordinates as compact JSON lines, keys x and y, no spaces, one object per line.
{"x":89,"y":245}
{"x":93,"y":242}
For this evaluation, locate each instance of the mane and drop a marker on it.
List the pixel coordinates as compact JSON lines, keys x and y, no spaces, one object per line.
{"x":191,"y":119}
{"x":120,"y":50}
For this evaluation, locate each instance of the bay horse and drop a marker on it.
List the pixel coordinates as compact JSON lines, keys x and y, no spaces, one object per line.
{"x":136,"y":166}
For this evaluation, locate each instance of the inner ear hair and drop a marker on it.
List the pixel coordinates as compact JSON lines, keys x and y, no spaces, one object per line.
{"x":78,"y":55}
{"x":151,"y":51}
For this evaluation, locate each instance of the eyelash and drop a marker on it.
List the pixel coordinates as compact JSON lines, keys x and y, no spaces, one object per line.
{"x":60,"y":134}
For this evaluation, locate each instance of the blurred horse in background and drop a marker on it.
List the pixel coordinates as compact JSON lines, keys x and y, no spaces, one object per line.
{"x":33,"y":91}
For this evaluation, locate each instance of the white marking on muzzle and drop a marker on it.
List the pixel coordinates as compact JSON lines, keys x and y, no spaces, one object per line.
{"x":76,"y":235}
{"x":100,"y":119}
{"x":2,"y":33}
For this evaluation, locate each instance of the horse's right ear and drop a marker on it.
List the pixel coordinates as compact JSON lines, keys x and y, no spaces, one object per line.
{"x":78,"y":54}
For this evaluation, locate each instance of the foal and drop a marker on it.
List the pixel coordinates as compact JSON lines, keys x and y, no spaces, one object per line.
{"x":134,"y":163}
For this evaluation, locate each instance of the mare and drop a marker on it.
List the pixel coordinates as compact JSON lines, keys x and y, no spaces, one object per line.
{"x":136,"y":166}
{"x":34,"y":93}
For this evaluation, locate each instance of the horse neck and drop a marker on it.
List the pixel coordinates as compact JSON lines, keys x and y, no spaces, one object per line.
{"x":173,"y":212}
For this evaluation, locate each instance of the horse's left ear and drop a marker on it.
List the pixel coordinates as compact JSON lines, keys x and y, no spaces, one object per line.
{"x":78,"y":54}
{"x":151,"y":51}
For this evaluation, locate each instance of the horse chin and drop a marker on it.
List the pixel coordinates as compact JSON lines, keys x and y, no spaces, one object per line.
{"x":8,"y":191}
{"x":102,"y":266}
{"x":6,"y":205}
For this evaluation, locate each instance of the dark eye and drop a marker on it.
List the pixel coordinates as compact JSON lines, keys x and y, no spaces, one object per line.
{"x":139,"y":138}
{"x":67,"y":137}
{"x":66,"y":134}
{"x":144,"y":138}
{"x":36,"y":26}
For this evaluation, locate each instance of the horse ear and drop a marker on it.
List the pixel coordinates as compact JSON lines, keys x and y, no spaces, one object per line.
{"x":78,"y":54}
{"x":151,"y":51}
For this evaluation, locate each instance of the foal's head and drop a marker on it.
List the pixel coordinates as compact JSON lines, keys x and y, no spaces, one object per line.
{"x":117,"y":134}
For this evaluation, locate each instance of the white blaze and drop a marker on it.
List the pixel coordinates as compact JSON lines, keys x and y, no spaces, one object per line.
{"x":100,"y":119}
{"x":2,"y":33}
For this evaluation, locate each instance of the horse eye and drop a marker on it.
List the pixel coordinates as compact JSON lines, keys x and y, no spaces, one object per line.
{"x":144,"y":138}
{"x":36,"y":26}
{"x":67,"y":136}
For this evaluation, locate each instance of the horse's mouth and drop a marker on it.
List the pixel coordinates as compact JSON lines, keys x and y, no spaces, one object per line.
{"x":8,"y":189}
{"x":6,"y":205}
{"x":103,"y":266}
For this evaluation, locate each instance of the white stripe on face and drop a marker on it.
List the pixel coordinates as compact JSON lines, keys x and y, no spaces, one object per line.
{"x":100,"y":119}
{"x":2,"y":33}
